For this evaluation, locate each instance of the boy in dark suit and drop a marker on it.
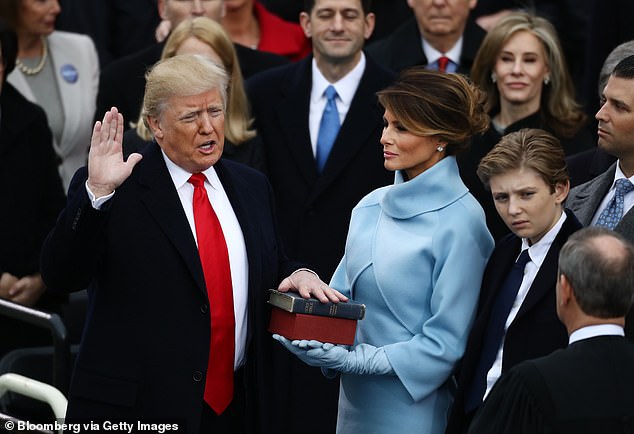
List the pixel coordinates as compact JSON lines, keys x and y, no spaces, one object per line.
{"x":587,"y":387}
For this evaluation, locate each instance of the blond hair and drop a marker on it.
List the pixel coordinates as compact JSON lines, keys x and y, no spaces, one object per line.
{"x":185,"y":75}
{"x":561,"y":111}
{"x":237,"y":117}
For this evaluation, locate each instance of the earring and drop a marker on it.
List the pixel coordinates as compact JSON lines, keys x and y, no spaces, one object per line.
{"x":439,"y":148}
{"x":547,"y":80}
{"x":494,"y":77}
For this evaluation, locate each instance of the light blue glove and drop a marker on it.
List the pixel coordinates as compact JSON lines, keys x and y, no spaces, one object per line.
{"x":364,"y":359}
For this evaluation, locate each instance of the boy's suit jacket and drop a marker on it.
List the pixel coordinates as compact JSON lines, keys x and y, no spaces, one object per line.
{"x":535,"y":331}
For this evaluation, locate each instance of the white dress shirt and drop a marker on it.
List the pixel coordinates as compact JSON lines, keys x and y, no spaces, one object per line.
{"x":433,"y":55}
{"x":346,"y":87}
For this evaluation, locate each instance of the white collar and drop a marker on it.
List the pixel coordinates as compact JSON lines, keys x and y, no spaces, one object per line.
{"x":346,"y":87}
{"x":180,"y":176}
{"x":432,"y":54}
{"x":595,"y":330}
{"x":539,"y":250}
{"x":618,"y":174}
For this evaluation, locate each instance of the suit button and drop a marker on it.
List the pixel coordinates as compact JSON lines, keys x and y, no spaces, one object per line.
{"x":197,"y":376}
{"x":204,"y":308}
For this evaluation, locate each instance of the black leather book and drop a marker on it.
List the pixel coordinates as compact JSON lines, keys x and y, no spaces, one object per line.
{"x":293,"y":302}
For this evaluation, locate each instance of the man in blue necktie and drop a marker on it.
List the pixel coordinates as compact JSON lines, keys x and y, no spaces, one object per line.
{"x":607,"y":200}
{"x":320,"y":124}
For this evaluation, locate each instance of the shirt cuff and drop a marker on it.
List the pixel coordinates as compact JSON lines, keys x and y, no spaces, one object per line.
{"x":97,"y":202}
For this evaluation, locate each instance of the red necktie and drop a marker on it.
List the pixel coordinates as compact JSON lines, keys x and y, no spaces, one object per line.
{"x":443,"y":61}
{"x":214,"y":258}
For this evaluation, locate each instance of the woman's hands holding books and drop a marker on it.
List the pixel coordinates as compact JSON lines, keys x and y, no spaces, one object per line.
{"x":363,"y":359}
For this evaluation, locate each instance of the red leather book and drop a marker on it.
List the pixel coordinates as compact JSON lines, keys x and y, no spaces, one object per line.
{"x":320,"y":328}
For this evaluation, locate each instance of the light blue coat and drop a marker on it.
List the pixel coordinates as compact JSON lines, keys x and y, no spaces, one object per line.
{"x":415,"y":255}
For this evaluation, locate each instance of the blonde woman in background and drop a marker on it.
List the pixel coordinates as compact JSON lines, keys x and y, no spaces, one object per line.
{"x":522,"y":68}
{"x":206,"y":37}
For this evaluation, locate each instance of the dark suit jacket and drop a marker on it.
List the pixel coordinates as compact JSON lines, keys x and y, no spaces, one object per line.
{"x":535,"y":331}
{"x":403,"y":48}
{"x":122,"y":82}
{"x":314,"y":209}
{"x":586,"y":165}
{"x":117,"y":27}
{"x":584,"y":200}
{"x":32,"y":196}
{"x":583,"y":389}
{"x":146,"y":341}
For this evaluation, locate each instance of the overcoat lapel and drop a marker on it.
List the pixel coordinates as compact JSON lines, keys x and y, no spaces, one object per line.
{"x":589,"y":196}
{"x":163,"y":204}
{"x":292,"y":113}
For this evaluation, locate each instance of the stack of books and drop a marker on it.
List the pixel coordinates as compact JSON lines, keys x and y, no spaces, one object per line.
{"x":295,"y":317}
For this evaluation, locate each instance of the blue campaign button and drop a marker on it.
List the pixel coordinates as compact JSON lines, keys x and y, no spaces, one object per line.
{"x":69,"y":73}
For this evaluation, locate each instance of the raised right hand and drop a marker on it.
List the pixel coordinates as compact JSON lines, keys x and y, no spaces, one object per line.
{"x":106,"y":168}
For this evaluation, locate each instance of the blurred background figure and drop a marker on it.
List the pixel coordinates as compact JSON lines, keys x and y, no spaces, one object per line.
{"x":206,"y":37}
{"x":585,"y":388}
{"x":123,"y":82}
{"x":589,"y":164}
{"x":439,"y":30}
{"x":250,"y":24}
{"x":60,"y":72}
{"x":32,"y":194}
{"x":609,"y":24}
{"x":389,"y":13}
{"x":521,"y":67}
{"x":571,"y":18}
{"x":117,"y":27}
{"x":516,"y":319}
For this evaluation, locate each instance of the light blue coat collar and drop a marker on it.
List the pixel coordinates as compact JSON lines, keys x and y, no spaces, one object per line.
{"x":435,"y":188}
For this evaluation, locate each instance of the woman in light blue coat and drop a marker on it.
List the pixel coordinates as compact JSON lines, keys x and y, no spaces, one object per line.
{"x":415,"y":255}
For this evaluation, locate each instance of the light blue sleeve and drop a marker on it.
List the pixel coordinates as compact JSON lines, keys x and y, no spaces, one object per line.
{"x":461,"y":248}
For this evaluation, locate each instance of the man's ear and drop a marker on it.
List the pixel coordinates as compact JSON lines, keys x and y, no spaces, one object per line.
{"x":565,"y":290}
{"x":161,"y":9}
{"x":304,"y":21}
{"x":155,"y":126}
{"x":370,"y":21}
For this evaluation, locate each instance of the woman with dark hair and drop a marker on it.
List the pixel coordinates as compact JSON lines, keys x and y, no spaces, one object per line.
{"x":517,"y":319}
{"x":31,"y":191}
{"x":415,"y":254}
